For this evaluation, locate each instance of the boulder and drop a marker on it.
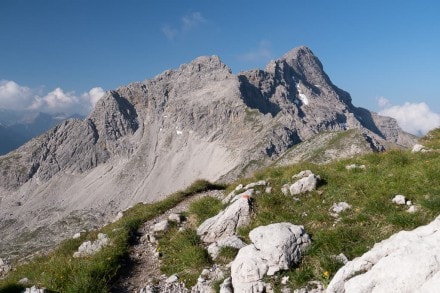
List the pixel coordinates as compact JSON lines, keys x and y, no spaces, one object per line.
{"x":274,"y":247}
{"x":90,"y":248}
{"x":230,"y":241}
{"x":408,"y":261}
{"x":307,"y":181}
{"x":227,"y":221}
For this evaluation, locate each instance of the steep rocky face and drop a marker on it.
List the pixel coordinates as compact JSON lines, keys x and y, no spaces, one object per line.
{"x":148,"y":139}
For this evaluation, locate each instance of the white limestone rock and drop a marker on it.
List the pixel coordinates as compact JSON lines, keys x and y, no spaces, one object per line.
{"x":354,"y":166}
{"x":162,"y":226}
{"x":399,"y":199}
{"x":227,"y":221}
{"x":174,"y":218}
{"x":307,"y":181}
{"x":226,"y":286}
{"x":275,"y":247}
{"x":35,"y":289}
{"x":90,"y":248}
{"x":338,"y":208}
{"x":254,"y":184}
{"x":408,"y":261}
{"x":230,"y":241}
{"x":418,"y":148}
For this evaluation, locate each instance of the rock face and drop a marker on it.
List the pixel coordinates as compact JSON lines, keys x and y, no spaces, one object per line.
{"x":274,"y":247}
{"x":406,"y":262}
{"x":148,"y":139}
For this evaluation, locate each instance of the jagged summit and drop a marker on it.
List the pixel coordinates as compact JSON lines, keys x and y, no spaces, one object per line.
{"x":148,"y":139}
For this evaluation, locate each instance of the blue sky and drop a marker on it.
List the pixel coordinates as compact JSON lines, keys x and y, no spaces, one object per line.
{"x":385,"y":53}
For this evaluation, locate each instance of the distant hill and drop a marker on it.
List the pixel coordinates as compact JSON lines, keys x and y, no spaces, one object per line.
{"x":18,"y":127}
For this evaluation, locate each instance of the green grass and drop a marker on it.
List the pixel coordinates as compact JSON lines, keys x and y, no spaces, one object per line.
{"x":205,"y":208}
{"x":373,"y":216}
{"x":60,"y":272}
{"x":183,"y":253}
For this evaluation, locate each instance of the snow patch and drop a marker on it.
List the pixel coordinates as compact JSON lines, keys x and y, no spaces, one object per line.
{"x":302,"y":96}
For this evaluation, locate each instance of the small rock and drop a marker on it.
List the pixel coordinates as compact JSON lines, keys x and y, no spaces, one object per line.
{"x":226,"y":286}
{"x":147,"y":289}
{"x":35,"y":289}
{"x":307,"y":182}
{"x":338,"y":208}
{"x":412,"y":209}
{"x":342,"y":258}
{"x":312,"y":287}
{"x":23,"y":281}
{"x":229,"y":241}
{"x":118,"y":216}
{"x":399,"y":199}
{"x":409,"y":203}
{"x":419,"y":148}
{"x":162,"y":226}
{"x":172,"y":279}
{"x":89,"y":247}
{"x":284,"y":280}
{"x":354,"y":166}
{"x":174,"y":218}
{"x":253,"y":184}
{"x":239,"y":187}
{"x":268,"y":189}
{"x":76,"y":236}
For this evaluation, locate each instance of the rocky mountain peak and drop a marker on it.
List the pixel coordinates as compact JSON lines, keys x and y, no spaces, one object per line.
{"x":151,"y":138}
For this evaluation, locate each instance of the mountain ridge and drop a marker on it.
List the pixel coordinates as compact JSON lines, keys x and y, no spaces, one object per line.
{"x":148,"y":139}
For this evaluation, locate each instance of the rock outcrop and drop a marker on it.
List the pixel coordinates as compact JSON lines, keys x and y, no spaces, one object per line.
{"x":148,"y":139}
{"x":225,"y":223}
{"x":408,"y":261}
{"x":91,"y":247}
{"x":274,"y":247}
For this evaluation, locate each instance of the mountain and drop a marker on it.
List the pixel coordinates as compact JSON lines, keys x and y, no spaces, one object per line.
{"x":148,"y":139}
{"x":18,"y":127}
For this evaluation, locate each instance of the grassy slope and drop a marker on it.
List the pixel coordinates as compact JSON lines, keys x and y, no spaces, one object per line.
{"x":372,"y":218}
{"x":60,"y":272}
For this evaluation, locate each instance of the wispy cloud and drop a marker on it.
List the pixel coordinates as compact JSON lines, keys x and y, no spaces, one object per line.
{"x":415,"y":118}
{"x":187,"y":23}
{"x":17,"y":97}
{"x":262,"y":53}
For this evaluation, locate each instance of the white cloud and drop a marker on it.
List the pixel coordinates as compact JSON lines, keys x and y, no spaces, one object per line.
{"x":16,"y":97}
{"x":192,"y":20}
{"x":188,"y":22}
{"x":261,"y":53}
{"x":415,"y":118}
{"x":169,"y":32}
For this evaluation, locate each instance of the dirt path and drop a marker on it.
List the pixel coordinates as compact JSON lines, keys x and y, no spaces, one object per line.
{"x":142,"y":267}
